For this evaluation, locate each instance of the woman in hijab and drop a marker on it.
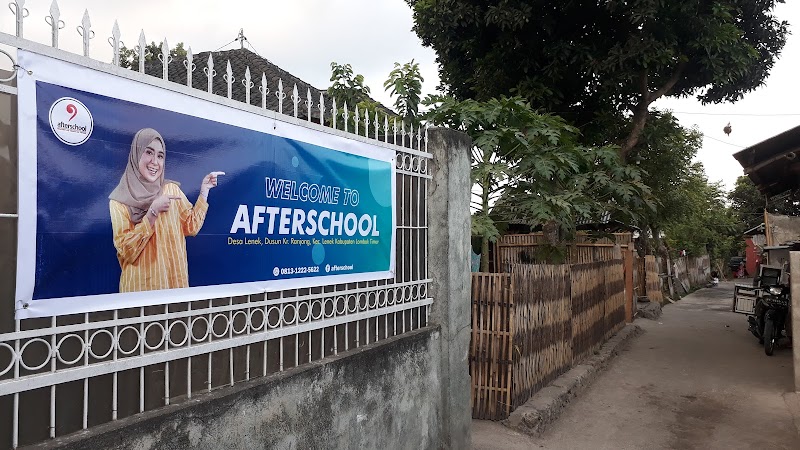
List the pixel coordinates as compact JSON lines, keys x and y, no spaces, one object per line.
{"x":151,"y":216}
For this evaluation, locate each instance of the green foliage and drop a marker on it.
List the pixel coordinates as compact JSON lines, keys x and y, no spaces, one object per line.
{"x":527,"y":166}
{"x":704,"y":223}
{"x":749,"y":204}
{"x":346,"y":86}
{"x":129,"y":57}
{"x":601,"y":64}
{"x":405,"y":82}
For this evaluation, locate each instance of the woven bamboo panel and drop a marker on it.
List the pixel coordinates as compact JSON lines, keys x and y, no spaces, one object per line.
{"x":542,"y":327}
{"x":521,"y":249}
{"x":491,"y":346}
{"x":532,"y":325}
{"x":652,"y":280}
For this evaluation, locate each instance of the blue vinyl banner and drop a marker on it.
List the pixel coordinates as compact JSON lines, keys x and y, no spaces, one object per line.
{"x":145,"y":196}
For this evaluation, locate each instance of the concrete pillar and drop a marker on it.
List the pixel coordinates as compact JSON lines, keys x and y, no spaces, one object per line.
{"x":794,"y":279}
{"x":448,"y":262}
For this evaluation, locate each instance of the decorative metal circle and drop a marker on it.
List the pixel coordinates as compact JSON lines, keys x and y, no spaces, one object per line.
{"x":423,"y":166}
{"x":423,"y":291}
{"x":329,"y":307}
{"x":233,"y":322}
{"x":185,"y":336}
{"x":277,"y":316}
{"x":46,"y":360}
{"x":214,"y":323}
{"x":262,"y":322}
{"x":352,"y":303}
{"x":317,"y":305}
{"x":398,"y":164}
{"x":13,"y":63}
{"x":303,"y":316}
{"x":208,"y":329}
{"x":340,"y":301}
{"x":372,"y":300}
{"x":110,"y":347}
{"x":80,"y":353}
{"x":286,"y":318}
{"x":12,"y":358}
{"x":407,"y":294}
{"x":393,"y":298}
{"x":415,"y":161}
{"x":160,"y":341}
{"x":406,"y":162}
{"x":414,"y":291}
{"x":135,"y":346}
{"x":382,"y":298}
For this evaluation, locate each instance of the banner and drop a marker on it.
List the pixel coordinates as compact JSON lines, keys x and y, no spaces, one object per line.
{"x":132,"y":194}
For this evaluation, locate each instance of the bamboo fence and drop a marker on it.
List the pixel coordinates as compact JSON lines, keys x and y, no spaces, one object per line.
{"x":521,"y":249}
{"x":491,"y":346}
{"x":532,"y":325}
{"x":652,"y":279}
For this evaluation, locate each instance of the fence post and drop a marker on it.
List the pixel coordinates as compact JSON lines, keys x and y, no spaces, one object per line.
{"x":449,"y":257}
{"x":629,"y":297}
{"x":794,"y":279}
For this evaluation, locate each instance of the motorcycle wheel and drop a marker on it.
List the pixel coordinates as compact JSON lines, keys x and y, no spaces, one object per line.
{"x":769,"y":337}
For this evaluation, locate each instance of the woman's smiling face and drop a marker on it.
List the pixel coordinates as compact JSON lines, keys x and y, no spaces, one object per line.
{"x":151,"y":163}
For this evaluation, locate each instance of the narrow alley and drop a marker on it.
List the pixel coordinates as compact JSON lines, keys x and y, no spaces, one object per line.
{"x":695,"y":379}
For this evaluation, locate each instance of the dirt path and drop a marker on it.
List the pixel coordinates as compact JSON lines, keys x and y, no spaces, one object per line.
{"x":696,"y":379}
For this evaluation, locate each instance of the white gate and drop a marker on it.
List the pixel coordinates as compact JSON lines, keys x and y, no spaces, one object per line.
{"x":62,"y":374}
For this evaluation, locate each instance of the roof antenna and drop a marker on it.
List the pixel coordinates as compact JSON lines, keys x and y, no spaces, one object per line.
{"x":241,"y":38}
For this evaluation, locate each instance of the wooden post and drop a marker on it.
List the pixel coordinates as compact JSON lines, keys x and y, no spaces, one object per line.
{"x":629,"y":297}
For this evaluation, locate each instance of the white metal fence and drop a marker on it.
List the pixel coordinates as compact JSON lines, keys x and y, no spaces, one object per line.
{"x":62,"y":374}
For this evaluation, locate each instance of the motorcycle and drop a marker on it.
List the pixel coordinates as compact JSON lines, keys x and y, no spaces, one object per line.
{"x":768,"y":321}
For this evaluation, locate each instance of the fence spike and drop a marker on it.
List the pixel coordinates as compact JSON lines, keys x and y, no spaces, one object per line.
{"x":386,"y":128}
{"x":228,"y":77}
{"x":376,"y":124}
{"x":141,"y":49}
{"x":17,"y":8}
{"x":309,"y":103}
{"x":334,"y":114}
{"x":355,"y":120}
{"x":295,"y":99}
{"x":321,"y":107}
{"x":210,"y":72}
{"x":56,"y":24}
{"x":248,"y":84}
{"x":345,"y":116}
{"x":281,"y":96}
{"x":85,"y":30}
{"x":188,"y":63}
{"x":402,"y":133}
{"x":426,"y":138}
{"x":165,"y":59}
{"x":113,"y":40}
{"x":411,"y":135}
{"x":264,"y":90}
{"x":394,"y":130}
{"x":419,"y":137}
{"x":366,"y":123}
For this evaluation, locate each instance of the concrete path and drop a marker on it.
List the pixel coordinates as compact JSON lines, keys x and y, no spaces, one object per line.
{"x":696,"y":379}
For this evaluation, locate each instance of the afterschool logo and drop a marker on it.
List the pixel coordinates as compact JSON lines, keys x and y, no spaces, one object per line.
{"x":71,"y":121}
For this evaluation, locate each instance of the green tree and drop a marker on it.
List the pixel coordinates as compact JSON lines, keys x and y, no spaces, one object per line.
{"x":704,"y":223}
{"x":749,"y":204}
{"x":347,"y":86}
{"x":596,"y":63}
{"x":129,"y":57}
{"x":405,"y":82}
{"x":528,"y":166}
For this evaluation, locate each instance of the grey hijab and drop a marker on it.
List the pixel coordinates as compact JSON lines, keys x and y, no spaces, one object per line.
{"x":133,"y":190}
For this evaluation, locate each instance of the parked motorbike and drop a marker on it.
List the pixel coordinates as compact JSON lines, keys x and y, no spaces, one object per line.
{"x":771,"y":312}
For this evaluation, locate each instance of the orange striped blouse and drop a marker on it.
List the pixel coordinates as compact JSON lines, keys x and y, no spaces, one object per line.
{"x":154,"y":257}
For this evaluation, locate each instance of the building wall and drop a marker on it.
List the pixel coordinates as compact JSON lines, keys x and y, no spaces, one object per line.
{"x":386,"y":395}
{"x":753,"y":257}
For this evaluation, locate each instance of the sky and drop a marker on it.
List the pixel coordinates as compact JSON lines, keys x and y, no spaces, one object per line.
{"x":305,"y":36}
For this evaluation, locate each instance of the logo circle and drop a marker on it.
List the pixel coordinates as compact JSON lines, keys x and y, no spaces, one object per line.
{"x":71,"y":121}
{"x":276,"y":271}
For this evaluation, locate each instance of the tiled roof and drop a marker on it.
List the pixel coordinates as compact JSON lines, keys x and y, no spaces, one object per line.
{"x":240,"y":60}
